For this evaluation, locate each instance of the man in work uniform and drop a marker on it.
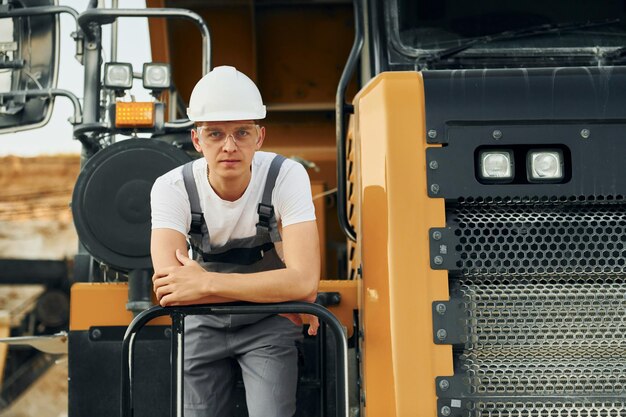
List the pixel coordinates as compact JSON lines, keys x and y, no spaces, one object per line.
{"x":229,"y":204}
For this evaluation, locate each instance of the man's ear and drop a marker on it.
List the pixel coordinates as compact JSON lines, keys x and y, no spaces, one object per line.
{"x":195,"y":140}
{"x":261,"y":138}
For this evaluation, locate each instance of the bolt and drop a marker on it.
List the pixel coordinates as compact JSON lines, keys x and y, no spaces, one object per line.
{"x":441,"y":308}
{"x":436,"y":235}
{"x":433,"y":165}
{"x":96,"y":334}
{"x":445,"y":410}
{"x":585,"y":133}
{"x":167,"y":333}
{"x":442,"y":334}
{"x":444,"y":384}
{"x":432,"y":134}
{"x":497,"y":134}
{"x":434,"y":188}
{"x":438,"y":260}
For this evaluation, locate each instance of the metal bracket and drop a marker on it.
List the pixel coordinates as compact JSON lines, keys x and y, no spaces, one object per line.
{"x":437,"y":174}
{"x":328,"y":298}
{"x":449,"y":323}
{"x":451,"y":387}
{"x":443,"y":253}
{"x":453,"y":407}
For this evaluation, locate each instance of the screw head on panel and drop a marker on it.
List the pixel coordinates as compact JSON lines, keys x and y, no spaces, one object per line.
{"x":445,"y":410}
{"x":497,"y":134}
{"x":438,"y":260}
{"x":434,"y":188}
{"x":442,"y":334}
{"x":585,"y":133}
{"x":433,"y":165}
{"x":441,"y":308}
{"x":436,"y":235}
{"x":444,"y":384}
{"x":432,"y":133}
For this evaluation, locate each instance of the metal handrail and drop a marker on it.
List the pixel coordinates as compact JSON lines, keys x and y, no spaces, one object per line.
{"x":39,"y":11}
{"x":49,"y":93}
{"x":178,"y":318}
{"x":341,"y":108}
{"x":107,"y":16}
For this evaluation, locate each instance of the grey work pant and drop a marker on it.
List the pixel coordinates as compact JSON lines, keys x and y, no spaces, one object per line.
{"x":267,"y":354}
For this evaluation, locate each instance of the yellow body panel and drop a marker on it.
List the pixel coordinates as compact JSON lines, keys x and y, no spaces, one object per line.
{"x":344,"y":311}
{"x":101,"y":304}
{"x":400,"y":359}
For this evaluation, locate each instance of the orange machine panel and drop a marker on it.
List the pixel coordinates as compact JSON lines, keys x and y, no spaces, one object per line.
{"x":345,"y":310}
{"x":101,"y":304}
{"x":400,"y":358}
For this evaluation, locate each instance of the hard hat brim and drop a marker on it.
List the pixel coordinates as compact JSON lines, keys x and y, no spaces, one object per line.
{"x":225,"y":116}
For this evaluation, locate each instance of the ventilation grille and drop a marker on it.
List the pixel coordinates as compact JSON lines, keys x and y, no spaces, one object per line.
{"x":550,"y":409}
{"x":540,"y":240}
{"x":542,"y":291}
{"x":542,"y":313}
{"x":543,"y":336}
{"x":493,"y":373}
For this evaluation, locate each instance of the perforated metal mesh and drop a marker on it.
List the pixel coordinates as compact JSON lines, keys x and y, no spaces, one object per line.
{"x":492,"y":373}
{"x":550,"y":409}
{"x":542,"y":288}
{"x":544,"y":336}
{"x":561,"y":312}
{"x":540,"y":239}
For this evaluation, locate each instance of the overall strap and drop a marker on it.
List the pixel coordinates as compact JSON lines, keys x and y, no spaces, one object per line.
{"x":267,"y":219}
{"x":198,"y":232}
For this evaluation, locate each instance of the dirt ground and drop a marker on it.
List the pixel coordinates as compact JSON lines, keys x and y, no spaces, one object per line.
{"x":36,"y":223}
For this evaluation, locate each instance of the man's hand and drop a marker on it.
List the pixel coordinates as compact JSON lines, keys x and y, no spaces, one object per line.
{"x":180,"y":285}
{"x":314,"y":322}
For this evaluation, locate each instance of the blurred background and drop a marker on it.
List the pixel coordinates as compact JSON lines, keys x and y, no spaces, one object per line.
{"x":38,"y":170}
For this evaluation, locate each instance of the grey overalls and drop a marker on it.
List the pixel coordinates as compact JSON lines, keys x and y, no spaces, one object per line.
{"x":263,"y":345}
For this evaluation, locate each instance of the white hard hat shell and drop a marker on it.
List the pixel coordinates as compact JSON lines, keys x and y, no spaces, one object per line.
{"x":225,"y":94}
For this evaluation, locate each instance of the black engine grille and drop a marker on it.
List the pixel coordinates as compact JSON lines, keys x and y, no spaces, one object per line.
{"x":542,"y":296}
{"x":539,"y":240}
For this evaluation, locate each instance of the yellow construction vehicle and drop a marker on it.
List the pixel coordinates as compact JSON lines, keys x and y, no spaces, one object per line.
{"x":480,"y":185}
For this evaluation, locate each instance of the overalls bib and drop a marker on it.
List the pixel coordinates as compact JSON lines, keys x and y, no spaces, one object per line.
{"x":254,"y":340}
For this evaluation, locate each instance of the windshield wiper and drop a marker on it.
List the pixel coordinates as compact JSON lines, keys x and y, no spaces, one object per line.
{"x":511,"y":34}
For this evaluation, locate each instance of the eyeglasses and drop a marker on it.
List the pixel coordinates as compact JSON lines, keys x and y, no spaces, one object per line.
{"x":242,"y":135}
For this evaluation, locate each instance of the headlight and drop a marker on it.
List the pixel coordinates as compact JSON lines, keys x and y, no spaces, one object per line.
{"x":545,"y":165}
{"x":496,"y":165}
{"x":118,"y":76}
{"x":156,"y":76}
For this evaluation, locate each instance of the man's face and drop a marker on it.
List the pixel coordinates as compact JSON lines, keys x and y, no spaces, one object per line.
{"x":228,"y":147}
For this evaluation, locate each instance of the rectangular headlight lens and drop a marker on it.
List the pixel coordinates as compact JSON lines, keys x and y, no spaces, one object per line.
{"x":545,"y":165}
{"x":118,"y":75}
{"x":156,"y":76}
{"x":496,"y":165}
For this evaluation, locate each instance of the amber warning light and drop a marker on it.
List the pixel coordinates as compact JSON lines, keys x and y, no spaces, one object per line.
{"x":134,"y":114}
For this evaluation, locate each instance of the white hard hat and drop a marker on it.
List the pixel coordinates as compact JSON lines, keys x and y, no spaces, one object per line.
{"x":225,"y":94}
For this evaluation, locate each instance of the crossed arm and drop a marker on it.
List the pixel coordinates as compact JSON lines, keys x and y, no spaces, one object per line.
{"x":179,"y":280}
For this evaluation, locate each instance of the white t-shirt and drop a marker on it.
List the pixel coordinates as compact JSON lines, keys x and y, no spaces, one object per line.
{"x":228,"y":220}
